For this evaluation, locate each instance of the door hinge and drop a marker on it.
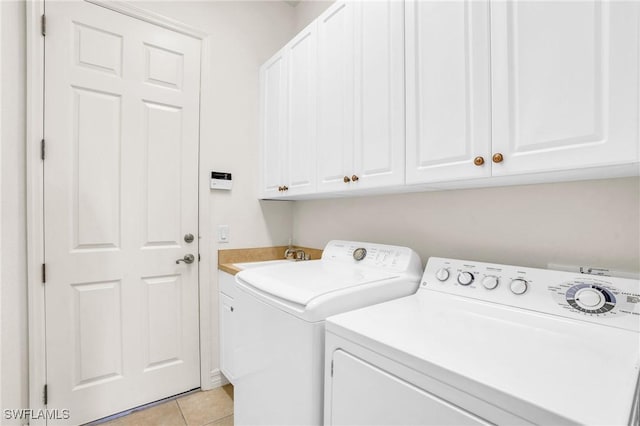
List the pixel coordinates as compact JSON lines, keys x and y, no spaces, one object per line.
{"x":198,"y":257}
{"x":44,"y":273}
{"x":43,"y":25}
{"x":331,"y":368}
{"x":42,"y":149}
{"x":45,"y":395}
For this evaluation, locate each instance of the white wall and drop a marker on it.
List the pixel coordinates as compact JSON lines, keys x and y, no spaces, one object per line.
{"x":308,"y":10}
{"x":13,"y":282}
{"x":594,"y":223}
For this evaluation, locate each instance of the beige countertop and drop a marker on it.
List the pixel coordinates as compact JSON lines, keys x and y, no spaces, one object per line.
{"x":228,"y":258}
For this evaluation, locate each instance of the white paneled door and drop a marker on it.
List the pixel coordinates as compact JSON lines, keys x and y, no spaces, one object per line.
{"x":121,"y":130}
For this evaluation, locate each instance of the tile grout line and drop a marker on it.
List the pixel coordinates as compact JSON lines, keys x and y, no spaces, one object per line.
{"x":220,"y":419}
{"x":184,"y":419}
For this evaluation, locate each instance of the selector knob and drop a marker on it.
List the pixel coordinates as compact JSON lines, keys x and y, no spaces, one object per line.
{"x":442,"y":274}
{"x":518,"y":286}
{"x":490,"y":282}
{"x":465,"y":278}
{"x":589,"y":298}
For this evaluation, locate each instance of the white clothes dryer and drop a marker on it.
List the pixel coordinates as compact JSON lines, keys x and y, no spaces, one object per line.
{"x":483,"y":343}
{"x":280,"y":312}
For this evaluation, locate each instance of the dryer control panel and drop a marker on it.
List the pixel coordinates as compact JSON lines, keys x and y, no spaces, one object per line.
{"x":604,"y":300}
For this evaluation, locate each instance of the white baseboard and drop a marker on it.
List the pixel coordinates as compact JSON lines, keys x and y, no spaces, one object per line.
{"x":217,"y":379}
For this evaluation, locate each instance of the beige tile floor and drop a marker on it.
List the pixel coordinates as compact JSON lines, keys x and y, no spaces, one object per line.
{"x":211,"y":408}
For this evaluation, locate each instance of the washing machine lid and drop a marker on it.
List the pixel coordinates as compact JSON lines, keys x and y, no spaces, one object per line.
{"x":545,"y":368}
{"x":302,"y":282}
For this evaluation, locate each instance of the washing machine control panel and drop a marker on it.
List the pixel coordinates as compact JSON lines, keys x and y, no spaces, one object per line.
{"x":393,"y":258}
{"x":606,"y":300}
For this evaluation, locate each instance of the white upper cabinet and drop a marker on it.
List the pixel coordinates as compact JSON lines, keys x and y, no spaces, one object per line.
{"x":448,"y":90}
{"x":360,"y":96}
{"x":301,"y":55}
{"x":520,"y":87}
{"x":273,"y":126}
{"x":288,"y":84}
{"x":565,"y":84}
{"x":379,"y":133}
{"x":335,"y":96}
{"x":496,"y":92}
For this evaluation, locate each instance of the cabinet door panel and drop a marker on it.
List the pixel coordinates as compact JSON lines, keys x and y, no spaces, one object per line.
{"x":335,"y":96}
{"x":226,"y":336}
{"x":565,"y":84}
{"x":273,"y":117}
{"x":448,"y":90}
{"x":379,"y":91}
{"x":301,"y":55}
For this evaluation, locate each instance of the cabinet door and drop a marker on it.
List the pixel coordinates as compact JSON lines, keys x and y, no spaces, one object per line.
{"x":335,"y":96}
{"x":565,"y":84}
{"x":301,"y":54}
{"x":448,"y":90}
{"x":273,"y":126}
{"x":226,"y":336}
{"x":379,"y":94}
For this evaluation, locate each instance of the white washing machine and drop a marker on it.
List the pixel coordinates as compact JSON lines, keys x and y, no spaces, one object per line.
{"x":489,"y":344}
{"x":280,"y":312}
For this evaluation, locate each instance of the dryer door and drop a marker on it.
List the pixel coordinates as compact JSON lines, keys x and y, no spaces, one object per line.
{"x":363,"y":394}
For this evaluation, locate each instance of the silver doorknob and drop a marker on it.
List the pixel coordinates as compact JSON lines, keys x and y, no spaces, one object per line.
{"x":188,"y":258}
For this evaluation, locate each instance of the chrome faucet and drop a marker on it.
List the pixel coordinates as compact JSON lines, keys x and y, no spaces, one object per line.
{"x":296,"y":254}
{"x":289,"y":253}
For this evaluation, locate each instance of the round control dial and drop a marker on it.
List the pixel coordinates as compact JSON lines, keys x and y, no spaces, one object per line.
{"x":442,"y":274}
{"x":590,"y":298}
{"x":490,"y":282}
{"x":465,"y":278}
{"x":360,"y":253}
{"x":519,"y":286}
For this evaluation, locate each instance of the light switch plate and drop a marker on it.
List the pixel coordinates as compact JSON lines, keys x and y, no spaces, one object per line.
{"x":223,"y":233}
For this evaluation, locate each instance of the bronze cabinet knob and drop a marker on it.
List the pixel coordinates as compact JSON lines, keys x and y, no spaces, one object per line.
{"x":478,"y":161}
{"x":346,"y":179}
{"x":355,"y":178}
{"x":497,"y":158}
{"x":279,"y":189}
{"x":285,"y":188}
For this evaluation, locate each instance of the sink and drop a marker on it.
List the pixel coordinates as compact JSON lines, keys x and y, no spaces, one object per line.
{"x":249,"y":265}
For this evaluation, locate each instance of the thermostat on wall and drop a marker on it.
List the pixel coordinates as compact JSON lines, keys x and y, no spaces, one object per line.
{"x":220,"y":180}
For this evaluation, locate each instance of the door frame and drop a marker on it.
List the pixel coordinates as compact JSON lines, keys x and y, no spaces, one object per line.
{"x":35,"y":192}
